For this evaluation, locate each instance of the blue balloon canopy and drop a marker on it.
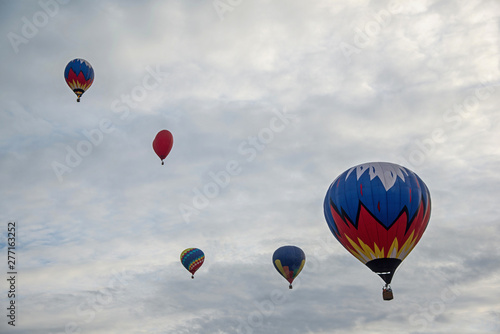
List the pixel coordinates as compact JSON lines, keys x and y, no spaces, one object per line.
{"x":289,"y":261}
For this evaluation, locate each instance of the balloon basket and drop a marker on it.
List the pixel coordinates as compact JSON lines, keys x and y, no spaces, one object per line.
{"x":290,"y":286}
{"x":192,"y":276}
{"x":387,"y":293}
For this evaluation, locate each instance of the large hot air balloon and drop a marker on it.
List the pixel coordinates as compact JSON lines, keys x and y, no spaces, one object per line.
{"x":378,"y":211}
{"x":289,"y":261}
{"x":192,"y":259}
{"x":79,"y":75}
{"x":162,"y":144}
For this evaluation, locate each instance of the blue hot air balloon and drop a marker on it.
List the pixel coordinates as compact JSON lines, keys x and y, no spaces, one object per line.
{"x":289,"y":261}
{"x":79,"y":75}
{"x":192,"y":259}
{"x":378,"y":211}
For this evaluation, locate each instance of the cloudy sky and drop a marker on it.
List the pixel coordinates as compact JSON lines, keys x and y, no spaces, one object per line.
{"x":268,"y":102}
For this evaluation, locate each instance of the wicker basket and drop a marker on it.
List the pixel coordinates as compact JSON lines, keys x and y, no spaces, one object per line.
{"x":387,"y":294}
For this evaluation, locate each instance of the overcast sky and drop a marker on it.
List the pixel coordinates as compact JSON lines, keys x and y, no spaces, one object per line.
{"x":268,"y":102}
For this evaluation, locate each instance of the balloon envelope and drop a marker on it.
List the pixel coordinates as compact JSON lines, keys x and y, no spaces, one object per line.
{"x":192,"y":259}
{"x":162,"y":144}
{"x":289,"y":261}
{"x":378,"y":211}
{"x":79,"y":75}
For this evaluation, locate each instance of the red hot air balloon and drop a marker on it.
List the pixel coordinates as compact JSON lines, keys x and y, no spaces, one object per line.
{"x":162,"y":144}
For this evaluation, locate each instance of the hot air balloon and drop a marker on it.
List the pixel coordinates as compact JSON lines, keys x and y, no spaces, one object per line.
{"x":289,"y":261}
{"x":378,"y":211}
{"x":79,"y":75}
{"x":192,"y":259}
{"x":162,"y":144}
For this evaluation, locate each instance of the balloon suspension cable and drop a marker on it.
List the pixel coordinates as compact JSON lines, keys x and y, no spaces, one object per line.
{"x":290,"y":286}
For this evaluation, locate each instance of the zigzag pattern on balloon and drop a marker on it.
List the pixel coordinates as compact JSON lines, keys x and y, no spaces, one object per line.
{"x":384,"y":189}
{"x":78,"y":81}
{"x":367,"y":239}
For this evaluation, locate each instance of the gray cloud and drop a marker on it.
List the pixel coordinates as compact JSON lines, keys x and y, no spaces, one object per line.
{"x":99,"y":244}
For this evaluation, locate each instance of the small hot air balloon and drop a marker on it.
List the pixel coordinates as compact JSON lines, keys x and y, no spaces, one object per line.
{"x":79,"y":75}
{"x":378,"y":211}
{"x":192,"y":259}
{"x":289,"y":261}
{"x":162,"y":144}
